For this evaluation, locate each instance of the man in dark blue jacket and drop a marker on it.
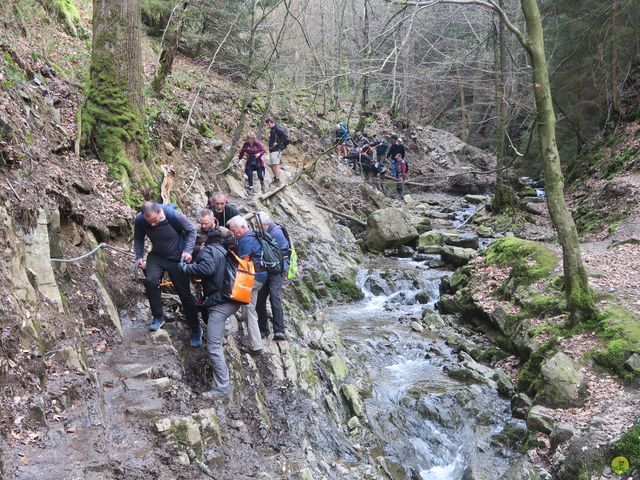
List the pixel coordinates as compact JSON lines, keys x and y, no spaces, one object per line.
{"x":172,"y":238}
{"x":272,"y":289}
{"x":210,"y":264}
{"x":250,"y":246}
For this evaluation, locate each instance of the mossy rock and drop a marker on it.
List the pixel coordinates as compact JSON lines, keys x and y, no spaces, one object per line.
{"x":620,"y":329}
{"x":344,"y":288}
{"x":529,"y":261}
{"x":629,"y":447}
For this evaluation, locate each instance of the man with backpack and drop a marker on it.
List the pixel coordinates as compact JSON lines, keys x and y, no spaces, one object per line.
{"x":272,"y":288}
{"x":250,"y":246}
{"x":172,"y":238}
{"x":210,"y":265}
{"x":342,"y":137}
{"x":399,"y":171}
{"x":278,"y":141}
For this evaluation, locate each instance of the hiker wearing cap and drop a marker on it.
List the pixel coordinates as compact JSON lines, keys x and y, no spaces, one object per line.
{"x":254,"y":151}
{"x":396,"y":148}
{"x":250,"y":246}
{"x":210,"y":264}
{"x":272,"y":288}
{"x":172,"y":237}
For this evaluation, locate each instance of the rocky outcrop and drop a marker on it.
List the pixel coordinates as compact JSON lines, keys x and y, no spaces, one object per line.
{"x":562,"y":383}
{"x":457,"y":256}
{"x":389,"y":228}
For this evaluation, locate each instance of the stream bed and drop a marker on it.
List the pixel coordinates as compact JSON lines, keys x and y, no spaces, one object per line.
{"x":433,"y":426}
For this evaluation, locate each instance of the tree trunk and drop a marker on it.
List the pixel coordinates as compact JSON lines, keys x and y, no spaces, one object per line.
{"x":579,"y":297}
{"x":112,"y":116}
{"x":613,"y":64}
{"x":168,"y":55}
{"x":504,"y":198}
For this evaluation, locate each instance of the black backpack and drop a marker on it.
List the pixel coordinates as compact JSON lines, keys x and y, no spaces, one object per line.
{"x":272,"y":257}
{"x":283,"y":137}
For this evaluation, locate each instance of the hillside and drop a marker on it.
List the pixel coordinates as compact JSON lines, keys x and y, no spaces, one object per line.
{"x":424,"y":358}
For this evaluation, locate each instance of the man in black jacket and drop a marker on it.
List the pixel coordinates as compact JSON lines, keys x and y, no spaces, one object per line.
{"x":210,"y":265}
{"x":222,"y":211}
{"x":172,"y":238}
{"x":277,"y":143}
{"x":396,"y":148}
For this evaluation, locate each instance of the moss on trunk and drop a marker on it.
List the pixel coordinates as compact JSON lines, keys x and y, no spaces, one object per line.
{"x":67,"y":13}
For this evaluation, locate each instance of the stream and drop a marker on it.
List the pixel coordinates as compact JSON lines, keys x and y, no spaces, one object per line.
{"x":433,"y":426}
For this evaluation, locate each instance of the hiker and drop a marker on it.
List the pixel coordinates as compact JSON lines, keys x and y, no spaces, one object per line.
{"x":254,"y":151}
{"x":273,"y":286}
{"x":381,"y":147}
{"x":359,"y":160}
{"x":210,"y":264}
{"x":278,"y":141}
{"x":221,"y":208}
{"x":399,"y":170}
{"x":249,"y":245}
{"x":396,"y":148}
{"x":172,"y":238}
{"x":342,"y":137}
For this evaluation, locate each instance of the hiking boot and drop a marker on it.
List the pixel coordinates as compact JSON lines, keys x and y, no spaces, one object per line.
{"x":264,"y":334}
{"x":250,"y":190}
{"x":215,"y":395}
{"x":156,"y":324}
{"x":196,"y":337}
{"x":279,"y":337}
{"x":276,"y":182}
{"x":253,"y":353}
{"x":262,"y":187}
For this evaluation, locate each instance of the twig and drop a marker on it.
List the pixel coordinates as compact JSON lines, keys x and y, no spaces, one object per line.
{"x":13,"y":190}
{"x":195,"y":172}
{"x":343,"y":215}
{"x":471,"y":216}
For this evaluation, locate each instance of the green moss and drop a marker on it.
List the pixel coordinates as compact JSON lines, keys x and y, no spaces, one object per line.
{"x":205,"y":130}
{"x":529,"y":261}
{"x":344,"y":288}
{"x":179,"y":432}
{"x":629,"y":447}
{"x":67,"y":13}
{"x":529,"y":374}
{"x":110,"y":122}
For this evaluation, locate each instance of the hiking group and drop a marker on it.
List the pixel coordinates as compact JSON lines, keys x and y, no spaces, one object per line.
{"x":369,"y":158}
{"x":231,"y":266}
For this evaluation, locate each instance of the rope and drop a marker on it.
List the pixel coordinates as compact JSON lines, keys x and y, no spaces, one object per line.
{"x":81,"y":257}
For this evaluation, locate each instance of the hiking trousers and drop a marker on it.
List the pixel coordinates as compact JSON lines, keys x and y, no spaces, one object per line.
{"x":250,"y":315}
{"x":154,"y":269}
{"x":218,"y":315}
{"x":272,"y":289}
{"x":400,"y":187}
{"x":258,"y":170}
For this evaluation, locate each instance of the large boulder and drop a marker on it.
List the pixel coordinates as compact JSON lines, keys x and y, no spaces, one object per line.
{"x":430,"y":242}
{"x":461,"y":239}
{"x":389,"y":228}
{"x":562,"y":383}
{"x":457,"y":256}
{"x":521,"y":470}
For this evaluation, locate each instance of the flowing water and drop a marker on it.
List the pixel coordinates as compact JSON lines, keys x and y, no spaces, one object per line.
{"x":433,"y":426}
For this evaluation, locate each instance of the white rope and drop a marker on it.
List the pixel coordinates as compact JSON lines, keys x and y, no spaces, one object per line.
{"x":81,"y":257}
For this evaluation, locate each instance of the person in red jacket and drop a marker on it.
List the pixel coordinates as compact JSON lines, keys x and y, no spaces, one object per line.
{"x":399,"y":170}
{"x":254,"y":151}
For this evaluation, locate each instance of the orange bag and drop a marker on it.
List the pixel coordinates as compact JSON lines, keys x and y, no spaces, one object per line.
{"x":239,"y":277}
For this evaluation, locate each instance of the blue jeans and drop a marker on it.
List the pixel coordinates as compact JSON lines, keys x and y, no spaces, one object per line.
{"x":253,"y":167}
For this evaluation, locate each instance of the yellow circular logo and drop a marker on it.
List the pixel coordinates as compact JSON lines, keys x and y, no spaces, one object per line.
{"x":620,"y":465}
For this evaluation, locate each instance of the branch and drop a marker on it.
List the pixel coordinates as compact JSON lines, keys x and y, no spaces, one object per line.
{"x":343,"y":215}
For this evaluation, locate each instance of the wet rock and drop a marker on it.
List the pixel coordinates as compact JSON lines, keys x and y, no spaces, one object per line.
{"x":161,"y":337}
{"x":435,"y":262}
{"x":424,"y":225}
{"x":503,"y":321}
{"x":330,"y":340}
{"x":432,"y":319}
{"x":540,"y":419}
{"x":423,"y":297}
{"x":633,"y":362}
{"x":563,"y":384}
{"x":561,"y":433}
{"x":457,"y":256}
{"x":464,"y":374}
{"x":377,"y":285}
{"x":520,"y":470}
{"x":461,"y":239}
{"x":520,"y":405}
{"x":133,"y":370}
{"x":505,"y":385}
{"x":338,"y":367}
{"x":430,"y":242}
{"x":389,"y":228}
{"x":484,"y":231}
{"x":350,"y":393}
{"x":416,"y":327}
{"x":68,"y":356}
{"x":404,"y":251}
{"x":112,"y":312}
{"x":160,"y":385}
{"x":36,"y":415}
{"x":183,"y":459}
{"x":512,"y":436}
{"x":476,"y":199}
